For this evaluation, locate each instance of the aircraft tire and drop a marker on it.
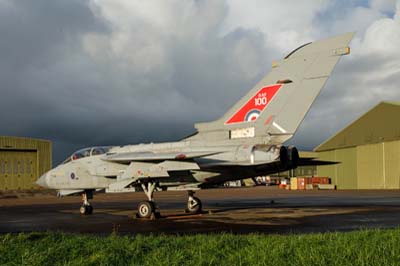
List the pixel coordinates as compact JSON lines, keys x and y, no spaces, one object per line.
{"x":194,"y":206}
{"x":146,"y":209}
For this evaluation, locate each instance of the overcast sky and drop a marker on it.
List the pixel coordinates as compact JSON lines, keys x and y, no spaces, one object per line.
{"x":83,"y":73}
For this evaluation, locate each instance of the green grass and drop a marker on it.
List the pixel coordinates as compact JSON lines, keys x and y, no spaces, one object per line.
{"x":366,"y":247}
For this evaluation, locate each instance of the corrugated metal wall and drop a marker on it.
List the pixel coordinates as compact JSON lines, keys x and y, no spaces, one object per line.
{"x":22,"y":161}
{"x":392,"y":164}
{"x":344,"y":174}
{"x":369,"y":149}
{"x":347,"y":171}
{"x":372,"y":166}
{"x":18,"y":169}
{"x":327,"y":170}
{"x":45,"y":156}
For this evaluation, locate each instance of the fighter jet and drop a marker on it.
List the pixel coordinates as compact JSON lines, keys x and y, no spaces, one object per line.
{"x":246,"y":142}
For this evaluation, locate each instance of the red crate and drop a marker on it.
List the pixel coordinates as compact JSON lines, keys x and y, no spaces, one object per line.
{"x":320,"y":180}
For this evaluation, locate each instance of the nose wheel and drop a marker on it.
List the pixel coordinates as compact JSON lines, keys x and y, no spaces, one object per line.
{"x":194,"y":205}
{"x":86,"y":208}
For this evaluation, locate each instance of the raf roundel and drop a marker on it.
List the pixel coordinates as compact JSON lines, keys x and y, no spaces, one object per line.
{"x":252,"y":115}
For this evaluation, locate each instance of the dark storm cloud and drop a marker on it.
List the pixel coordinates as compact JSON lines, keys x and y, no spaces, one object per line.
{"x":54,"y":89}
{"x":37,"y":36}
{"x":84,"y":73}
{"x":33,"y":30}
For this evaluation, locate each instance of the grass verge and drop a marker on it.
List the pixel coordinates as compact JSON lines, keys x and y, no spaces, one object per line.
{"x":366,"y":247}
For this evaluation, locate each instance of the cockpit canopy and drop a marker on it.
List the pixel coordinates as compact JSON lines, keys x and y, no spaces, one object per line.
{"x":86,"y":152}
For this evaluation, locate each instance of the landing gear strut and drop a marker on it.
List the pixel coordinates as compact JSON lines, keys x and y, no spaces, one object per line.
{"x":86,"y":208}
{"x":147,"y":208}
{"x":193,"y":204}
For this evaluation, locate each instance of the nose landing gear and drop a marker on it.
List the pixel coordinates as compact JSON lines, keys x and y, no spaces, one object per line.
{"x":86,"y":208}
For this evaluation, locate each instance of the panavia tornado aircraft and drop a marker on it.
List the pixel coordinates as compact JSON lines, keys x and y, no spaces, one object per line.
{"x":245,"y":142}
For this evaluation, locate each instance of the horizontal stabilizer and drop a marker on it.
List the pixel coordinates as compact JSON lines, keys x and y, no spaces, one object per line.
{"x":310,"y":162}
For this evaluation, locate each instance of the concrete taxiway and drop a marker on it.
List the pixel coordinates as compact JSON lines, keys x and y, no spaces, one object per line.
{"x":237,"y":210}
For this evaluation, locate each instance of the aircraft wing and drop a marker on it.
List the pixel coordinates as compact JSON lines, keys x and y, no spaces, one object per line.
{"x":144,"y":165}
{"x":155,"y":157}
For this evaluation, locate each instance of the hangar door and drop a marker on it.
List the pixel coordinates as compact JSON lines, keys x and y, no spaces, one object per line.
{"x":18,"y":169}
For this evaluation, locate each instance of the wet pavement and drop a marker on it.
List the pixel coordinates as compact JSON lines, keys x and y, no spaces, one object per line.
{"x":237,"y":210}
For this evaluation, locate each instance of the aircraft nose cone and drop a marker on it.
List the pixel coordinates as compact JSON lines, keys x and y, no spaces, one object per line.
{"x":42,"y":181}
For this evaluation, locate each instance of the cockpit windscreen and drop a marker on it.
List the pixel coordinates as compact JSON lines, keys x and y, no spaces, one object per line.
{"x":86,"y":152}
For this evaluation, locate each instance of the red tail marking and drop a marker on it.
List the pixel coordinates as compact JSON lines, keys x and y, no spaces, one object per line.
{"x":252,"y":109}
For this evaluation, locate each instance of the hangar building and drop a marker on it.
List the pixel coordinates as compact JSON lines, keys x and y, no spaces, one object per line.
{"x":22,"y":161}
{"x":368,"y":151}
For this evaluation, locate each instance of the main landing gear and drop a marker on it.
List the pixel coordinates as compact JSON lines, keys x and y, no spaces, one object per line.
{"x":193,"y":204}
{"x":147,"y":208}
{"x":86,"y":208}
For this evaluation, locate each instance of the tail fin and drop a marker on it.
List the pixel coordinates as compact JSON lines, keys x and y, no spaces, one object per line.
{"x":277,"y":105}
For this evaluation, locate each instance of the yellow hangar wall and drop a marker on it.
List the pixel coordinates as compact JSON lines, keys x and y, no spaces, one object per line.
{"x":367,"y":151}
{"x":22,"y":161}
{"x":373,"y":166}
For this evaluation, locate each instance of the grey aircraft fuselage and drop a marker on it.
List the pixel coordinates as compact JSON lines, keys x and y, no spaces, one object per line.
{"x":96,"y":172}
